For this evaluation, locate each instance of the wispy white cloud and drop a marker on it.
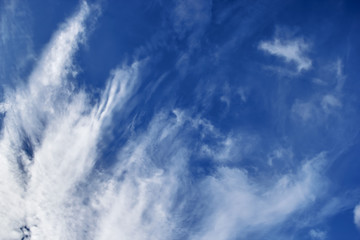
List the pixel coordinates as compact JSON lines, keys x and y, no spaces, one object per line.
{"x":191,"y":18}
{"x":319,"y":106}
{"x":141,"y":205}
{"x":305,"y":110}
{"x":243,"y":206}
{"x":330,"y":101}
{"x":280,"y":154}
{"x":56,"y":61}
{"x":15,"y":39}
{"x":49,"y":139}
{"x":290,"y":50}
{"x":49,"y":147}
{"x":78,"y":130}
{"x":145,"y":196}
{"x":243,"y":92}
{"x":317,"y":234}
{"x":357,"y":216}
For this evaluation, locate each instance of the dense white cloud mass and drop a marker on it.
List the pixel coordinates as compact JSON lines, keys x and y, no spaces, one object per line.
{"x":290,"y":50}
{"x":50,"y":187}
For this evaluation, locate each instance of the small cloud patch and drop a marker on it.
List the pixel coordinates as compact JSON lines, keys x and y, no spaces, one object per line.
{"x":292,"y":51}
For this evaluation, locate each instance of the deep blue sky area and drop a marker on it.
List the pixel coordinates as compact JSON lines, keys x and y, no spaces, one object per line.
{"x":192,"y":119}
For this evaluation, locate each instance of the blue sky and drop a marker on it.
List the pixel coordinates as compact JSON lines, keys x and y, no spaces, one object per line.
{"x":179,"y":120}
